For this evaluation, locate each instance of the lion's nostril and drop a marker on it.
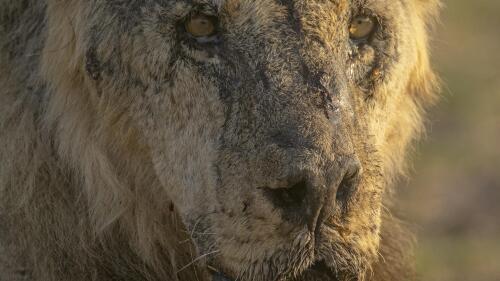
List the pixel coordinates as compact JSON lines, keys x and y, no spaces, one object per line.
{"x":348,"y":185}
{"x":290,"y":197}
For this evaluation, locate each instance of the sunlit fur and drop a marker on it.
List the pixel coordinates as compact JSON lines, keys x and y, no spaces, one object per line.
{"x":108,"y":143}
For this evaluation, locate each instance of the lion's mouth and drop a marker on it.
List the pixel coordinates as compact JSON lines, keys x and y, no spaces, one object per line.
{"x":318,"y":271}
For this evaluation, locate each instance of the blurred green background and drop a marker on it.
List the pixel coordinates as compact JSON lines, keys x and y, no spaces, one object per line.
{"x":453,"y":196}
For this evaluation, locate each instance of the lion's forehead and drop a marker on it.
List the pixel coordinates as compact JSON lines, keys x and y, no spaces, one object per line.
{"x":340,"y":5}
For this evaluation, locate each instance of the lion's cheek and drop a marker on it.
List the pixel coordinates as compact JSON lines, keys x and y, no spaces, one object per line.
{"x":181,"y":123}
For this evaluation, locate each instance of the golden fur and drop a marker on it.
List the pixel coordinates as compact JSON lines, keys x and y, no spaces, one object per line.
{"x":125,"y":156}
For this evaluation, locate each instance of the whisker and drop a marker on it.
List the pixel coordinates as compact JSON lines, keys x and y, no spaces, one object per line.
{"x":196,"y":260}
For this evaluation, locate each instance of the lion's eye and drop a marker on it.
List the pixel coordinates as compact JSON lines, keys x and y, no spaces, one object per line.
{"x":362,"y":28}
{"x":200,"y":25}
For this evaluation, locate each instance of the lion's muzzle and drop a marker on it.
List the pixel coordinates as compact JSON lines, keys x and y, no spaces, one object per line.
{"x":307,"y":197}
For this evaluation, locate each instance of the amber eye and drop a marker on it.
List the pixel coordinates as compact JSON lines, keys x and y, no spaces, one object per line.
{"x":362,"y":27}
{"x":200,"y":25}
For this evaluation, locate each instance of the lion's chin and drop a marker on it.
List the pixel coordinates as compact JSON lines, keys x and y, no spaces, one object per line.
{"x":319,"y":271}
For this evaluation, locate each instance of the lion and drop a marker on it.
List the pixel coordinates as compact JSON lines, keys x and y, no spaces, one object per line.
{"x":249,"y":140}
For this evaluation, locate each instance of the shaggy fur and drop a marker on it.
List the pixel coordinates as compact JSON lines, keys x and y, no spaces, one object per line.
{"x":130,"y":151}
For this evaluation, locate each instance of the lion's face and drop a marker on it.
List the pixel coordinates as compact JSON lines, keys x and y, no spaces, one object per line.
{"x":274,"y":126}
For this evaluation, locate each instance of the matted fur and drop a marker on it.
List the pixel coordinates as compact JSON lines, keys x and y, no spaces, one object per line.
{"x":125,"y":156}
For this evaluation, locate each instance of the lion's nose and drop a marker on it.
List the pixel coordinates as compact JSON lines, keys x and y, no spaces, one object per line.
{"x":306,"y":198}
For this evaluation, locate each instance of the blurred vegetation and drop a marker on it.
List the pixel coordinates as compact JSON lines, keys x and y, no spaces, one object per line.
{"x":454,"y":193}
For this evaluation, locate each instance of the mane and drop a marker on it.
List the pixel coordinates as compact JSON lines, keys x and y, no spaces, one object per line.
{"x":64,"y":154}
